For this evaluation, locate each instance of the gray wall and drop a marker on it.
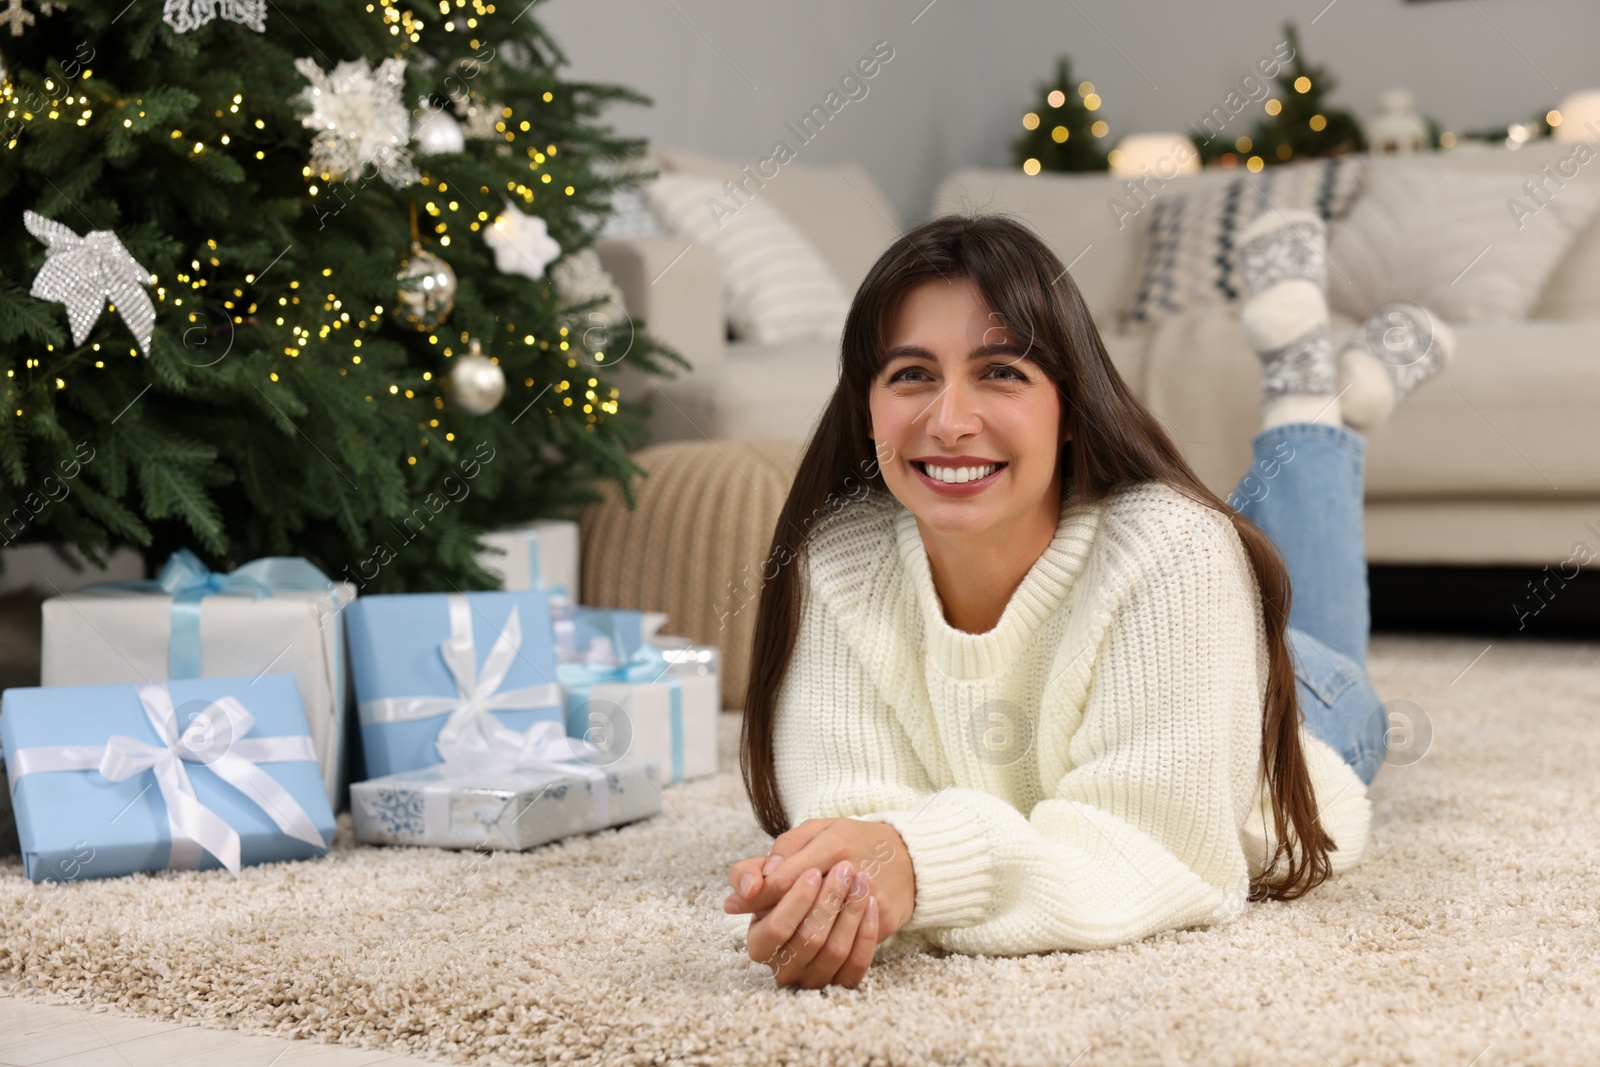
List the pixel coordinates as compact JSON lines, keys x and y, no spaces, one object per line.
{"x":726,"y":75}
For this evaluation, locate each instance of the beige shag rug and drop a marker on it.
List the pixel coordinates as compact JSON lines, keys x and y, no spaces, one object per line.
{"x":1467,"y":937}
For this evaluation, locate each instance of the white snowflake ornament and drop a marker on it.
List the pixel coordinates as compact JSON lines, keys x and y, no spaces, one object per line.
{"x":580,"y":278}
{"x":84,"y":272}
{"x":522,"y":243}
{"x":359,"y":119}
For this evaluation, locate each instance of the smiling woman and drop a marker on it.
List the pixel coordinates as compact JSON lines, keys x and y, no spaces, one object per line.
{"x":1033,"y":690}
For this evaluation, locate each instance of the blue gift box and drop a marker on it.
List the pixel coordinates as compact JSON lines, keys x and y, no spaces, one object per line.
{"x":427,"y":666}
{"x":623,"y":628}
{"x":241,"y":744}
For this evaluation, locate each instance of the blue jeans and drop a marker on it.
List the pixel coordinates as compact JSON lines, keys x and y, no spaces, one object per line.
{"x":1304,"y":490}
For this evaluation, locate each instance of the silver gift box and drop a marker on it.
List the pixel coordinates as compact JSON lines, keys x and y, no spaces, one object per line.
{"x":687,"y":658}
{"x":516,"y":810}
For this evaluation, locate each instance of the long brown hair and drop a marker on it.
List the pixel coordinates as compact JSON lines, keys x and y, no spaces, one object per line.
{"x":1115,"y":442}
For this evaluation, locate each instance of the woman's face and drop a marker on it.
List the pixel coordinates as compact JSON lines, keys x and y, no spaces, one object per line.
{"x":960,"y":396}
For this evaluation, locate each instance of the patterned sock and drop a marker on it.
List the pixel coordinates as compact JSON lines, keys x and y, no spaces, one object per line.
{"x":1285,"y":318}
{"x":1400,"y":346}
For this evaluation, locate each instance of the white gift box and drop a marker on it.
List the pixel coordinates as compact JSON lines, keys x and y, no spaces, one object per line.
{"x":99,"y":636}
{"x":541,"y":555}
{"x":662,"y":715}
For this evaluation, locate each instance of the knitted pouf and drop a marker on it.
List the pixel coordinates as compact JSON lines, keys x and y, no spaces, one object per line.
{"x":694,"y":545}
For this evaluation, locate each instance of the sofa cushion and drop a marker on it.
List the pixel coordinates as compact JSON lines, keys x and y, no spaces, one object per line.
{"x":1573,"y":289}
{"x":760,"y":391}
{"x":1190,"y":258}
{"x":1464,"y":244}
{"x":1510,"y":415}
{"x":838,"y":207}
{"x":777,"y":286}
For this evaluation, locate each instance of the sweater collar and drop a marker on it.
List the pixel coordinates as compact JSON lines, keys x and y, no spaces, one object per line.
{"x":1043,"y":590}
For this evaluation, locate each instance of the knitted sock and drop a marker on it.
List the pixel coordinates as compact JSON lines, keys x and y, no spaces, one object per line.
{"x":1285,"y":318}
{"x":1399,"y":347}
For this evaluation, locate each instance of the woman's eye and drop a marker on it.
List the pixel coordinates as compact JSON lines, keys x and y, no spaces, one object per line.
{"x":1016,"y":375}
{"x":901,"y":375}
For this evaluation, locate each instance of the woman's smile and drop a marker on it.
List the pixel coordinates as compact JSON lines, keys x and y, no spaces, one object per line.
{"x":957,"y":476}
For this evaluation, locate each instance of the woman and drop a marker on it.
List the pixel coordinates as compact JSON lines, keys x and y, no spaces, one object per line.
{"x":1028,"y":685}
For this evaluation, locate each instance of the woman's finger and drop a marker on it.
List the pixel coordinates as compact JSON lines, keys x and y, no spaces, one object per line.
{"x":750,"y":868}
{"x":768,"y":938}
{"x":853,"y":894}
{"x":855,"y":968}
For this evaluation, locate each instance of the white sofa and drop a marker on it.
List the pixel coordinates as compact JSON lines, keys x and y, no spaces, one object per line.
{"x":1496,"y":461}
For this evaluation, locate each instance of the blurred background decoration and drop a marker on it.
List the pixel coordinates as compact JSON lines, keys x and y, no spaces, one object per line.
{"x":1064,"y":131}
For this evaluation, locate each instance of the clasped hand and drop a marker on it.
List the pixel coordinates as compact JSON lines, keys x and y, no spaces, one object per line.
{"x":822,"y":900}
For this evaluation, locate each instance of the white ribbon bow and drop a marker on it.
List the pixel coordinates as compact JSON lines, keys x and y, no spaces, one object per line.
{"x":544,"y":747}
{"x":84,"y":272}
{"x":223,"y":748}
{"x":471,"y":726}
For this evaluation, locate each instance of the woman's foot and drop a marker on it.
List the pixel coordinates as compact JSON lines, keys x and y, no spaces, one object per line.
{"x":1285,"y":318}
{"x":1400,"y":346}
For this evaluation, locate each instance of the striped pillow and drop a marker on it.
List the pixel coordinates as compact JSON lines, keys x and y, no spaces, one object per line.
{"x":776,"y":284}
{"x":1191,"y":258}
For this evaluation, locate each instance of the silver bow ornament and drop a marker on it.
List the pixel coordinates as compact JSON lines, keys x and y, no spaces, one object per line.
{"x":84,"y":272}
{"x":186,"y":15}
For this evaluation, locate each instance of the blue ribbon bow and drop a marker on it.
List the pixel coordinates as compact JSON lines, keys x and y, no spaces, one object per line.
{"x":646,"y":666}
{"x":189,"y":581}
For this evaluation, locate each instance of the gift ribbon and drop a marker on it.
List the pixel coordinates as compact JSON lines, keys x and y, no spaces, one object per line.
{"x":536,"y":568}
{"x":227,"y":752}
{"x":189,"y":581}
{"x":543,"y":747}
{"x":471,"y":725}
{"x":647,"y":666}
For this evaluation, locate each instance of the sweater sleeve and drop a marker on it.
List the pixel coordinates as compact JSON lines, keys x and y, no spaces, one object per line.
{"x":1140,"y":832}
{"x":838,"y":749}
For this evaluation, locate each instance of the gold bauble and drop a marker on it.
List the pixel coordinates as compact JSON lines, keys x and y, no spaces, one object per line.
{"x":427,"y":290}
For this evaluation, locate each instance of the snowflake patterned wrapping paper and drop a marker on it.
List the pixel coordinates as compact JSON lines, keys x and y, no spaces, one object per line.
{"x":511,"y":810}
{"x":432,"y":667}
{"x":541,"y":555}
{"x":99,"y":787}
{"x":649,"y":708}
{"x":279,"y":614}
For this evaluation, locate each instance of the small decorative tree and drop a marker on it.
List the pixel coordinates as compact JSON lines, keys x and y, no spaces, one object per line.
{"x":1062,"y":133}
{"x":1299,"y":123}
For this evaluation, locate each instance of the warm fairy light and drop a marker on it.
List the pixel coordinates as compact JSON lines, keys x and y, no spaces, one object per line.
{"x":1255,"y":163}
{"x":1319,"y":123}
{"x":1030,"y":166}
{"x":1056,"y":98}
{"x":1273,"y":106}
{"x":1099,"y":129}
{"x":1302,"y":84}
{"x":1030,"y":121}
{"x":1060,"y":134}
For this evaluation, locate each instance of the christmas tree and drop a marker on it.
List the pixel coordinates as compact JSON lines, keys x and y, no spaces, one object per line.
{"x":1299,"y":123}
{"x":1062,"y":133}
{"x":305,"y":250}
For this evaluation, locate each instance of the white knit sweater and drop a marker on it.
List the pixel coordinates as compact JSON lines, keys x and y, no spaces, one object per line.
{"x":1085,"y":774}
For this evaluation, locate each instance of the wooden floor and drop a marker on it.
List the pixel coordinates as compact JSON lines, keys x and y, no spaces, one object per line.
{"x":34,"y":1034}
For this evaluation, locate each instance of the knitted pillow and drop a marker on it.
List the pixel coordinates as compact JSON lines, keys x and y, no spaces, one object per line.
{"x":1191,"y":261}
{"x":776,"y":284}
{"x":630,"y":218}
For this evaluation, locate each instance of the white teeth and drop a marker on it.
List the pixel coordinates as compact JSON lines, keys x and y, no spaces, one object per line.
{"x":957,"y":475}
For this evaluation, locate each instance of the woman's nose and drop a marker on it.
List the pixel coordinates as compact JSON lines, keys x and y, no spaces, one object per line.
{"x":954,"y":412}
